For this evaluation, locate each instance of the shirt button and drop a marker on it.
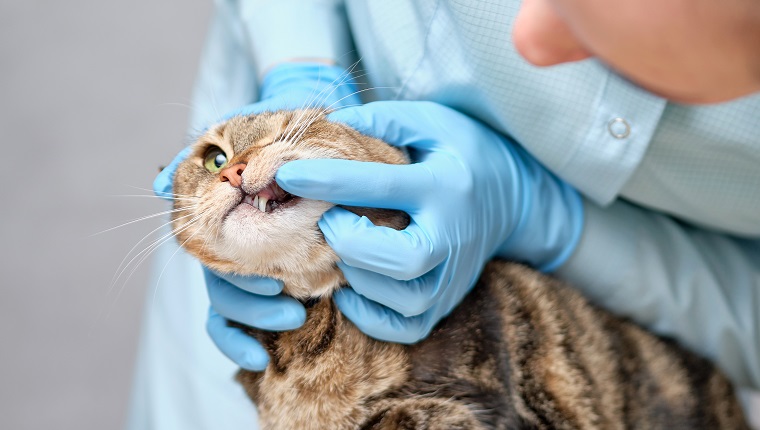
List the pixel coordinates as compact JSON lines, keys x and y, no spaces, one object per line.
{"x":619,"y":128}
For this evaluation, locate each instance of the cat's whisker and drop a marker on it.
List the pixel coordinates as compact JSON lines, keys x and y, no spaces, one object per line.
{"x":163,"y":193}
{"x":174,"y":196}
{"x":144,"y":218}
{"x":354,"y":93}
{"x":115,"y":278}
{"x":158,"y":281}
{"x":143,"y":255}
{"x":208,"y":237}
{"x":150,"y":249}
{"x":343,"y":79}
{"x":213,"y":104}
{"x":312,"y":96}
{"x":176,"y":104}
{"x":154,"y":246}
{"x":297,"y":136}
{"x":346,"y":80}
{"x":147,"y":217}
{"x":313,"y":101}
{"x":155,"y":197}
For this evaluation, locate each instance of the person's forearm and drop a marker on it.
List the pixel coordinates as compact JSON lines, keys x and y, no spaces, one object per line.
{"x":296,"y":31}
{"x":699,"y":287}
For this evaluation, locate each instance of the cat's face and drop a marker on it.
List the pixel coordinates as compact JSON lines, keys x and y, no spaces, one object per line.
{"x":234,"y":217}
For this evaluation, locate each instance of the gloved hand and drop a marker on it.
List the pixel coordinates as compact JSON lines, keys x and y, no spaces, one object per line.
{"x":471,"y":194}
{"x":256,"y":301}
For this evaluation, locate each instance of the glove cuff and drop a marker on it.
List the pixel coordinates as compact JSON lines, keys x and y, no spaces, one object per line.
{"x":550,"y":219}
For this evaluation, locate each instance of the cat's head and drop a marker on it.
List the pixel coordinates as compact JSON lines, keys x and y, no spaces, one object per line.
{"x":231,"y":214}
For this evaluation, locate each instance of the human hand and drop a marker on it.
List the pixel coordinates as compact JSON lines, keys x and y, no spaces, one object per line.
{"x":255,"y":301}
{"x":471,"y":194}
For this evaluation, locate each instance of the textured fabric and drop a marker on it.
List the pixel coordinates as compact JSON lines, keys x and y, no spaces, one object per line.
{"x":659,"y":199}
{"x":698,"y":163}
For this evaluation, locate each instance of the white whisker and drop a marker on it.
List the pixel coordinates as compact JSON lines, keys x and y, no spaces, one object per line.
{"x":158,"y":281}
{"x":142,"y":255}
{"x":162,"y":192}
{"x":154,"y":197}
{"x":297,"y":136}
{"x":145,"y":254}
{"x":313,"y":101}
{"x":114,"y":278}
{"x":144,"y":218}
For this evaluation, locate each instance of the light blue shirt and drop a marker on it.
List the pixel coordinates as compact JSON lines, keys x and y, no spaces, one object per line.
{"x":617,"y":144}
{"x":672,"y":232}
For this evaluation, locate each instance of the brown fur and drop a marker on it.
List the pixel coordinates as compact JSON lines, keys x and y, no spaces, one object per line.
{"x":521,"y":351}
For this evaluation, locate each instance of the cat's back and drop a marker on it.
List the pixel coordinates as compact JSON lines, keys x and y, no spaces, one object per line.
{"x":526,"y":351}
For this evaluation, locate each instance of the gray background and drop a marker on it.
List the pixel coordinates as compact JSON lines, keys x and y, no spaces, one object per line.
{"x":93,"y":97}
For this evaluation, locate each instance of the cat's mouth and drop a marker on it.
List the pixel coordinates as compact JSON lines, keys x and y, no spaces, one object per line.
{"x":269,"y":198}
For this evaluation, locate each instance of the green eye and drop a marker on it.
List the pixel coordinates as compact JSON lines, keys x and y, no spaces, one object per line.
{"x":214,"y":160}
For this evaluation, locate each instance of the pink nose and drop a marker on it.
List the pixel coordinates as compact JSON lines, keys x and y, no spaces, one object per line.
{"x":233,"y":175}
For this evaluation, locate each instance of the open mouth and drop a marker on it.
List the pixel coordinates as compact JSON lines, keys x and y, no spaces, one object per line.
{"x":269,"y":198}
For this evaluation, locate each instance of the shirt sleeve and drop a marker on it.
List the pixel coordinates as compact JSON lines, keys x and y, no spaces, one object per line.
{"x":699,"y":287}
{"x":281,"y":30}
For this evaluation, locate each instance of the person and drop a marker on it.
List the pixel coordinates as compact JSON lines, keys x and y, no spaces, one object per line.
{"x":597,"y":171}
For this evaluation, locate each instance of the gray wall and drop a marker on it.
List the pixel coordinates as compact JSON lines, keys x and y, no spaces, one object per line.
{"x":91,"y":102}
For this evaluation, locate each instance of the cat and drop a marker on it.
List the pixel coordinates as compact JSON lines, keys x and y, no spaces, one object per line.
{"x":522,"y":351}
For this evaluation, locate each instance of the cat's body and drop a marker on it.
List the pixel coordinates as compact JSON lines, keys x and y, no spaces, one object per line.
{"x":521,"y":351}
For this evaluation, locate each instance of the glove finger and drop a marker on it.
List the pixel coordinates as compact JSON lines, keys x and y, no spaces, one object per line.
{"x":244,"y":350}
{"x":163,"y":184}
{"x":252,"y":284}
{"x":408,"y":298}
{"x":263,"y":312}
{"x":400,"y":123}
{"x":404,"y":254}
{"x":356,"y":183}
{"x":380,"y":322}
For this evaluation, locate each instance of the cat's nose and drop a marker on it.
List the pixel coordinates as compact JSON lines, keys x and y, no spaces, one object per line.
{"x":233,"y":174}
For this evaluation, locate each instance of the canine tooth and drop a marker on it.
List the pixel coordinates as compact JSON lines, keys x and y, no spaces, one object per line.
{"x":263,"y":204}
{"x":255,"y":201}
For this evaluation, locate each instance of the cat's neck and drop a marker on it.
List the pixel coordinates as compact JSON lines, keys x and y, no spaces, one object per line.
{"x":327,"y":364}
{"x":307,"y":286}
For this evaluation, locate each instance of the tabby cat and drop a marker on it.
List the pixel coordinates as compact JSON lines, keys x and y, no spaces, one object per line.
{"x":522,"y":351}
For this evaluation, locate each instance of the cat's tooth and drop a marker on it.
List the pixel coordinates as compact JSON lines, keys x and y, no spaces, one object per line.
{"x":256,"y":201}
{"x":263,"y":204}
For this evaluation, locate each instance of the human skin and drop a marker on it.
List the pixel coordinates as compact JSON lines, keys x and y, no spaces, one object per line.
{"x":691,"y":51}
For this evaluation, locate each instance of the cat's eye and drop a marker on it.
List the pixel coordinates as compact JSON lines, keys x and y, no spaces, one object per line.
{"x":214,"y":160}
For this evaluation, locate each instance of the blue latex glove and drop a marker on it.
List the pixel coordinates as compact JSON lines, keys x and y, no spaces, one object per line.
{"x":256,"y":301}
{"x":471,"y":194}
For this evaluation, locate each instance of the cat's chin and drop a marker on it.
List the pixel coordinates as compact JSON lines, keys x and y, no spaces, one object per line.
{"x":250,"y":237}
